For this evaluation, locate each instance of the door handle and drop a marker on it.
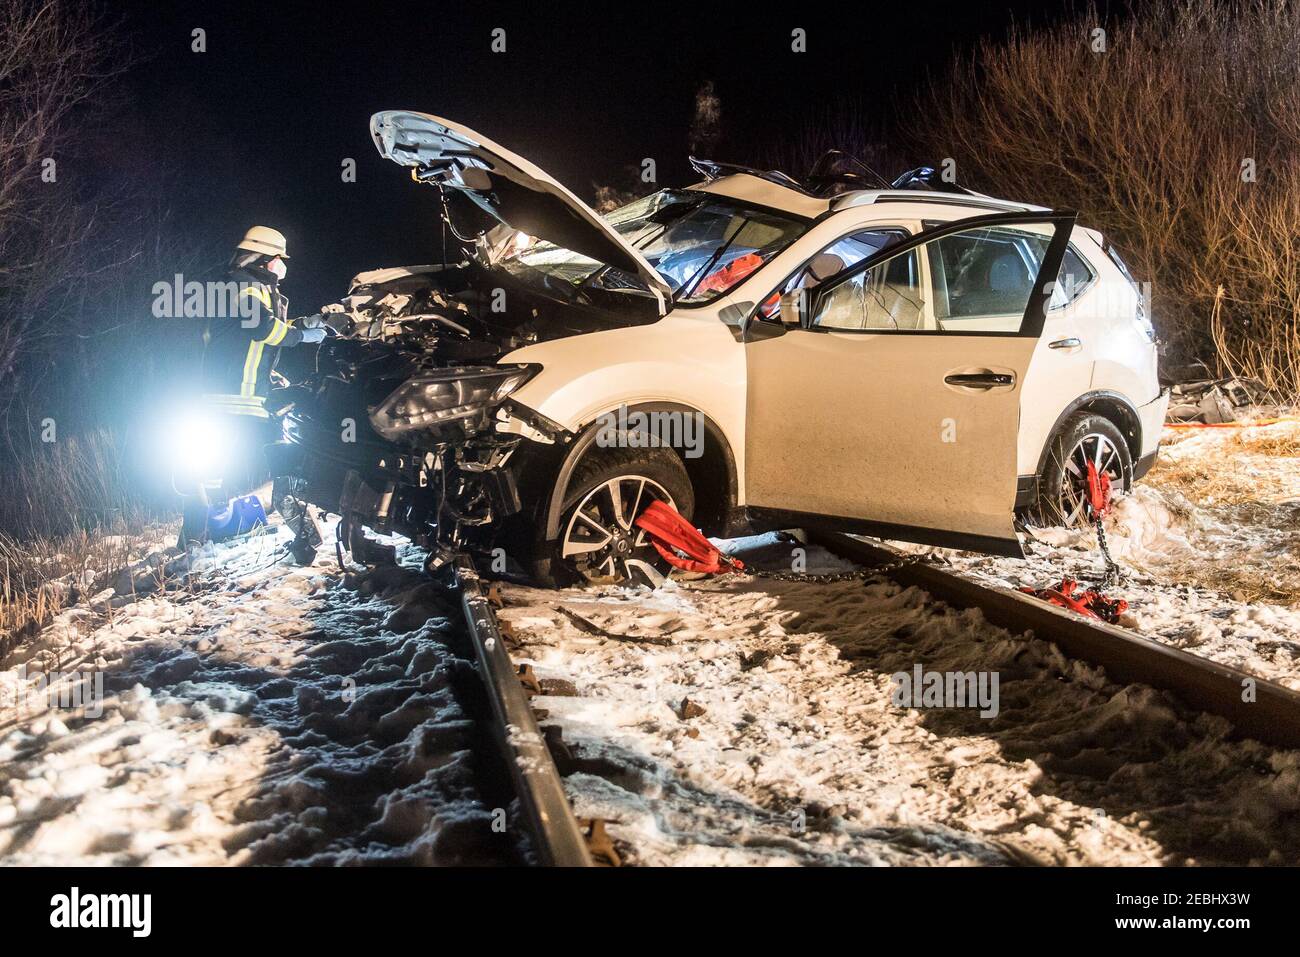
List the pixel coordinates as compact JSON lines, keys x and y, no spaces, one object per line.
{"x":1070,"y":343}
{"x":985,"y":380}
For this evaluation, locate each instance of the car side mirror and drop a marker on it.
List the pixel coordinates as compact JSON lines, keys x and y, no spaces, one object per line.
{"x":749,"y":324}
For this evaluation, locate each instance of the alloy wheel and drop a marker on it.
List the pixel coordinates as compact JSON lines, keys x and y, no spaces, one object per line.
{"x":1073,"y":499}
{"x":600,"y":540}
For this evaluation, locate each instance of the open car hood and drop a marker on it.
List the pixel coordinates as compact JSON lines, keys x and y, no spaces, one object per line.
{"x":508,"y":187}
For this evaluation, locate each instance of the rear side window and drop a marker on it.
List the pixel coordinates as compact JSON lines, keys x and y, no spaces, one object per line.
{"x":1072,"y":280}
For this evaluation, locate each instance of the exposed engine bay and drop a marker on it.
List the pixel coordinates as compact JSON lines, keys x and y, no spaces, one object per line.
{"x":405,"y":425}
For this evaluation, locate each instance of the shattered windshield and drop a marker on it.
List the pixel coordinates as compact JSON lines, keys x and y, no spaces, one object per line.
{"x":701,"y":244}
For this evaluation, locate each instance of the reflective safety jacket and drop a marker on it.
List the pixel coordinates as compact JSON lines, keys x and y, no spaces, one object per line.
{"x":242,"y":343}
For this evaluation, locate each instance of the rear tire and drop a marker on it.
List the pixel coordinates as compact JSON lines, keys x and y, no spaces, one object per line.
{"x":1062,"y":486}
{"x":596,"y":542}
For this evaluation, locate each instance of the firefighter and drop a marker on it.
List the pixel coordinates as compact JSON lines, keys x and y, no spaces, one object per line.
{"x":241,"y":346}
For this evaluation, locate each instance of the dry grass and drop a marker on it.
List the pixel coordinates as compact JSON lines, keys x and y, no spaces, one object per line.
{"x":66,"y":510}
{"x":1242,"y":486}
{"x":1282,"y":439}
{"x":1251,"y":466}
{"x":40,"y":576}
{"x":76,"y":483}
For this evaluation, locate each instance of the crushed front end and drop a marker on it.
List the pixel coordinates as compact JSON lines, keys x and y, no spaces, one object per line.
{"x":406,"y":425}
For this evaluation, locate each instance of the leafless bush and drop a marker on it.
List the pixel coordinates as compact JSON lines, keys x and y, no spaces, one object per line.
{"x":55,"y":59}
{"x":66,"y":508}
{"x":1177,"y":133}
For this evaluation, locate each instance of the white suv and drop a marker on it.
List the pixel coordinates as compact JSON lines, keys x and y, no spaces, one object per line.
{"x":894,"y":362}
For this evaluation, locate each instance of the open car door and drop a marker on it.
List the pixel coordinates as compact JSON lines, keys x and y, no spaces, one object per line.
{"x":892,"y":407}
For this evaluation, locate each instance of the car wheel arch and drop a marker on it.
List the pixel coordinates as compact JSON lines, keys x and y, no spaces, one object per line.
{"x":1112,"y":406}
{"x":715,"y":488}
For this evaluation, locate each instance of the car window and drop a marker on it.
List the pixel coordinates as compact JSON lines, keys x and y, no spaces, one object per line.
{"x":887,"y":296}
{"x":849,"y":250}
{"x":979,"y":280}
{"x":1072,"y":280}
{"x":700,"y":244}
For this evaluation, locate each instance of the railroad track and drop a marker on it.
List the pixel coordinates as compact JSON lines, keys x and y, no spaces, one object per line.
{"x":557,"y":837}
{"x":1256,"y":707}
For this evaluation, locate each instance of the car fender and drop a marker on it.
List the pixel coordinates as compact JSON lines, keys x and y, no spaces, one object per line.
{"x":1111,"y":404}
{"x":589,"y":434}
{"x":689,"y":362}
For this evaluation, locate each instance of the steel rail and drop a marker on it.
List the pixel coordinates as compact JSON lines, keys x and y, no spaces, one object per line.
{"x":557,"y":838}
{"x":1257,"y":708}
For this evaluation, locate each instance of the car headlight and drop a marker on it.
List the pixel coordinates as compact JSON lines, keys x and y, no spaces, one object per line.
{"x":437,"y":398}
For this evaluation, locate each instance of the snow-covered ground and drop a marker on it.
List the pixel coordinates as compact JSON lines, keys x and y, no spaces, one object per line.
{"x":751,"y":721}
{"x":256,"y":712}
{"x":260,"y":714}
{"x":1210,"y":545}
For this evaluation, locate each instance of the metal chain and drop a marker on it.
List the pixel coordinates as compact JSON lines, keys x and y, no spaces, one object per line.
{"x":830,"y":577}
{"x":1112,"y":567}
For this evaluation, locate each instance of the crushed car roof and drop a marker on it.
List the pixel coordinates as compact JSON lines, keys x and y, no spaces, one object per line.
{"x":765,"y":192}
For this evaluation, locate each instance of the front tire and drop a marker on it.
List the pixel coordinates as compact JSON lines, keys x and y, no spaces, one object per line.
{"x":598,"y":543}
{"x":1063,"y":485}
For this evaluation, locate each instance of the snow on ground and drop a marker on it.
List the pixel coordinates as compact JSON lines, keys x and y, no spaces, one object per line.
{"x":1210,"y":545}
{"x":751,"y":721}
{"x":262,"y":714}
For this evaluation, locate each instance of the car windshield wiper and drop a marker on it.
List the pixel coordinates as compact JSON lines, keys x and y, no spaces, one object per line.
{"x":640,"y":243}
{"x":688,"y":288}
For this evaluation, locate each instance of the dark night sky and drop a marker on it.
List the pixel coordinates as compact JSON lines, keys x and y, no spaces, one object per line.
{"x":254,"y":130}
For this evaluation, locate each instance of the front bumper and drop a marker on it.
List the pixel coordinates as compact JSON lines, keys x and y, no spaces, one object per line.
{"x":420,"y":494}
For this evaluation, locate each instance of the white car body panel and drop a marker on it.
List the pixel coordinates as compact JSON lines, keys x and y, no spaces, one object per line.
{"x":693,"y":356}
{"x":688,"y":358}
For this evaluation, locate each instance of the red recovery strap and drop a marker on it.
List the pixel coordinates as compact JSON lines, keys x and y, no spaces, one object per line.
{"x":1098,"y":491}
{"x":681,"y":544}
{"x":1089,"y":602}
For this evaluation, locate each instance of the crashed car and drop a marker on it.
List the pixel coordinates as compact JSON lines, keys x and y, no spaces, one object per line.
{"x":758,"y":353}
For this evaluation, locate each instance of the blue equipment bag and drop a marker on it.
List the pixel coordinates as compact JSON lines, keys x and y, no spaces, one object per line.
{"x":236,"y":517}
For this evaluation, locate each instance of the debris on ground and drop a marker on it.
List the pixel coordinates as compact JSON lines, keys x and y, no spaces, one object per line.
{"x":1216,"y":401}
